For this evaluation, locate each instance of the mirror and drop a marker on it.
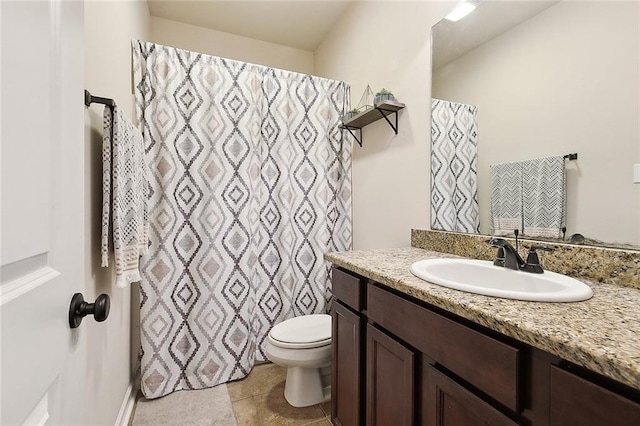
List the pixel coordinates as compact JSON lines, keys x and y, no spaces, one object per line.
{"x":551,"y":78}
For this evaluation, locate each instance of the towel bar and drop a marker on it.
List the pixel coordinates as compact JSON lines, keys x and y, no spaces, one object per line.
{"x":90,"y":99}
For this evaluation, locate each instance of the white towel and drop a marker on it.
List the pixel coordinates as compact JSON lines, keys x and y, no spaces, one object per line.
{"x":544,"y":197}
{"x":125,"y":193}
{"x":506,"y":198}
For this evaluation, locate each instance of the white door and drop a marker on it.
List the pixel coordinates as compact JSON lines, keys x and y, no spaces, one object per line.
{"x":41,"y":194}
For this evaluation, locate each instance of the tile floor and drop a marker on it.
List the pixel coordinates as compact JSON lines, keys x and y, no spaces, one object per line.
{"x":258,"y":399}
{"x":255,"y":400}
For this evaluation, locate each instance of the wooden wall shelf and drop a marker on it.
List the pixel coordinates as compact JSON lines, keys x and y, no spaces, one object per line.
{"x":382,"y":110}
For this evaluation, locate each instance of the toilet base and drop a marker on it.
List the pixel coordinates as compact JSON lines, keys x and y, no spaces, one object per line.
{"x":306,"y":386}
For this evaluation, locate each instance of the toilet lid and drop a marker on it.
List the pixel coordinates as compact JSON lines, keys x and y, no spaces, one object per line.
{"x":307,"y":331}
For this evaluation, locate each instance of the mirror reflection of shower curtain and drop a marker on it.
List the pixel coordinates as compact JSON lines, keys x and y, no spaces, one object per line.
{"x":454,"y":156}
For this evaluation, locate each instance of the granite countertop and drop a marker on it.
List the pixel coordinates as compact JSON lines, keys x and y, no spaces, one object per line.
{"x":601,"y":334}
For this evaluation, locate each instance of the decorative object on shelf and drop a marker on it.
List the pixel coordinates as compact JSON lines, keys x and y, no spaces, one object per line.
{"x":350,"y":114}
{"x":366,"y":100}
{"x":383,"y":95}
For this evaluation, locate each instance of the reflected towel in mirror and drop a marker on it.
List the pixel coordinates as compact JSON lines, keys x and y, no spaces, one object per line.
{"x":506,"y":198}
{"x":544,"y":197}
{"x":529,"y":196}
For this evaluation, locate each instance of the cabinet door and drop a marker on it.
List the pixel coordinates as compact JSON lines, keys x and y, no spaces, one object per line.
{"x":459,"y":348}
{"x":390,"y":381}
{"x":450,"y":404}
{"x":576,"y":401}
{"x":346,"y":382}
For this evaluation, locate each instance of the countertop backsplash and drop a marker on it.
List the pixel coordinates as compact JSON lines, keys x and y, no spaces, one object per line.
{"x":597,"y":264}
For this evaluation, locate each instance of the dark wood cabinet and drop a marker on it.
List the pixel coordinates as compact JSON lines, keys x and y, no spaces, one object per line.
{"x":400,"y":361}
{"x":458,"y":347}
{"x":348,"y":289}
{"x":577,"y":401}
{"x":347,"y":379}
{"x":390,"y":381}
{"x":349,"y":347}
{"x":451,"y":404}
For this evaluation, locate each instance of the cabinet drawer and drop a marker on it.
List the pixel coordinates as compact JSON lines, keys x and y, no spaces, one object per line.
{"x":484,"y":362}
{"x":449,"y":403}
{"x":576,"y":401}
{"x":348,"y":288}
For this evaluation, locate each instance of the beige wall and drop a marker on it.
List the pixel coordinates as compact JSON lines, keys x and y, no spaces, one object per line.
{"x":387,"y":44}
{"x":569,"y":77}
{"x":109,"y":28}
{"x":198,"y":39}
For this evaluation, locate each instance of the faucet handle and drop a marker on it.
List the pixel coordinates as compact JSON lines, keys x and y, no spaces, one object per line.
{"x":532,"y":257}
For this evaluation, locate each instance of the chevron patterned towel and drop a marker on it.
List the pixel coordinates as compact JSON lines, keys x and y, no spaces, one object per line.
{"x":506,"y":198}
{"x":125,"y":191}
{"x":544,"y":196}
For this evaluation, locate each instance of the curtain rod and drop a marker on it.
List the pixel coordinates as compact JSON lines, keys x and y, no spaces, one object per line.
{"x":90,"y":99}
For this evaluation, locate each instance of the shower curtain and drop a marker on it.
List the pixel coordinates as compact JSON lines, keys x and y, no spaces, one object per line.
{"x":454,"y":178}
{"x":250,"y":185}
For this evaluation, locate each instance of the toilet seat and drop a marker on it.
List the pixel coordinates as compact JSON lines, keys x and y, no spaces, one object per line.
{"x":302,"y":345}
{"x":304,"y":332}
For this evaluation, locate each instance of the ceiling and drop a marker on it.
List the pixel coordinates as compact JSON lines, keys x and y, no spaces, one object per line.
{"x":302,"y":24}
{"x":490,"y":19}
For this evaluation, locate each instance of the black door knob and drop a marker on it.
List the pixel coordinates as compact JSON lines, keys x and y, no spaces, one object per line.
{"x":80,"y":309}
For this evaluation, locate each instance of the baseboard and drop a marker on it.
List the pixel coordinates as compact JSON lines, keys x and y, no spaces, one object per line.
{"x":126,"y":409}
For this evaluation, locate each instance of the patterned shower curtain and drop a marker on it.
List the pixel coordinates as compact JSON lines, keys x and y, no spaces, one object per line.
{"x":250,"y":185}
{"x":454,"y":173}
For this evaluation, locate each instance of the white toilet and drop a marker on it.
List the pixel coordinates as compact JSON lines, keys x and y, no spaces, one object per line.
{"x":303,"y":346}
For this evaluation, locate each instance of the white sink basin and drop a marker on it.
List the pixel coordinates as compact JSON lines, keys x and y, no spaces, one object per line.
{"x":483,"y":277}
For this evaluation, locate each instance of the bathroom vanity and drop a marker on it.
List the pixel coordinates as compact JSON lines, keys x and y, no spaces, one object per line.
{"x":409,"y":352}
